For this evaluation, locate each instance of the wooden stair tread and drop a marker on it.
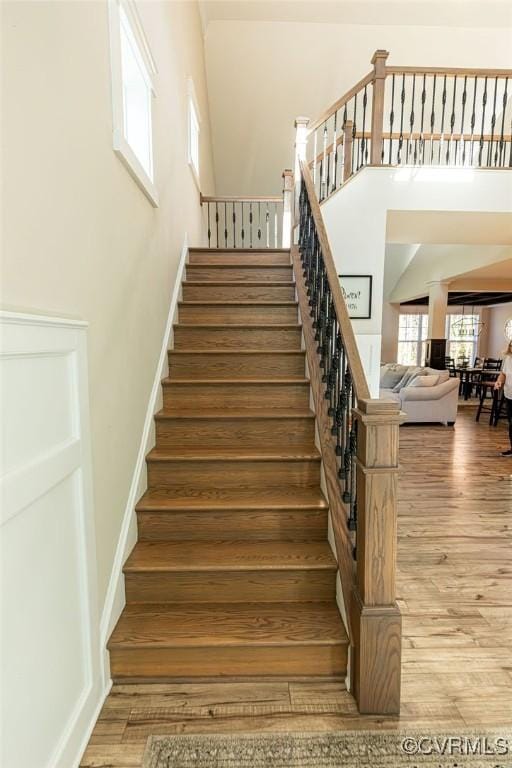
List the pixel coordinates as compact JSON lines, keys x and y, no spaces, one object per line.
{"x":246,"y":303}
{"x":240,"y":283}
{"x":223,"y":413}
{"x":233,"y":326}
{"x":235,"y":382}
{"x":239,"y":555}
{"x":220,"y":624}
{"x":237,"y":351}
{"x":233,"y":498}
{"x":198,"y":249}
{"x":234,"y":454}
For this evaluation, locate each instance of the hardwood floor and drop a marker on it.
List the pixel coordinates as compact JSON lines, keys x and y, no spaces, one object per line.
{"x":455,"y":593}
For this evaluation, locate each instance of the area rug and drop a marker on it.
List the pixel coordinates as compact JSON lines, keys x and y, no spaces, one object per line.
{"x":354,"y":749}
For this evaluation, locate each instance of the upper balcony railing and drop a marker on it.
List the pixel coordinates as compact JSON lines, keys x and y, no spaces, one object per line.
{"x":411,"y":116}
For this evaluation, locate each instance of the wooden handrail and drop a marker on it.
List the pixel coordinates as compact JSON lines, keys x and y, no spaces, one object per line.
{"x":366,"y":80}
{"x":237,"y":199}
{"x":346,"y":329}
{"x":449,"y":71}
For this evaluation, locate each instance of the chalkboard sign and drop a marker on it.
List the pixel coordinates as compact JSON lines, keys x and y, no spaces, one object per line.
{"x":357,"y":290}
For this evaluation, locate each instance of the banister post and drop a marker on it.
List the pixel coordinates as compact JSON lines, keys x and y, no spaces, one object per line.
{"x":287,"y":207}
{"x":379,"y":83}
{"x":348,"y":137}
{"x":301,"y":140}
{"x":375,"y":615}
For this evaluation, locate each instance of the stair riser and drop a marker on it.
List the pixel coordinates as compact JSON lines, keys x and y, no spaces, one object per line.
{"x":238,"y":293}
{"x":236,"y":338}
{"x":260,"y":525}
{"x":299,"y":585}
{"x":242,"y":274}
{"x":232,"y":433}
{"x":238,"y":314}
{"x":239,"y":258}
{"x":193,"y":474}
{"x":244,"y":366}
{"x":165,"y":663}
{"x":235,"y":396}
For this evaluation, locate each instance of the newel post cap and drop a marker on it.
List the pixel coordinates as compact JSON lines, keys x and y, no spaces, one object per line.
{"x":380,"y":53}
{"x":301,"y":121}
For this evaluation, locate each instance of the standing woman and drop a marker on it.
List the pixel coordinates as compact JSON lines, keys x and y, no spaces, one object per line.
{"x":505,"y":380}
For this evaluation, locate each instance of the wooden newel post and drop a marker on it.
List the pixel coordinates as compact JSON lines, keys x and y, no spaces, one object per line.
{"x":376,"y":619}
{"x":379,"y":84}
{"x":301,"y":142}
{"x":287,"y":207}
{"x":348,"y":137}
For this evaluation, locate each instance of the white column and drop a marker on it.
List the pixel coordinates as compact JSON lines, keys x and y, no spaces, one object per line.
{"x":437,"y":309}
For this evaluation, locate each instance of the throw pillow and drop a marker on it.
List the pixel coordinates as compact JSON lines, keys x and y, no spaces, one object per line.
{"x":408,"y":376}
{"x":425,"y":381}
{"x":391,"y":374}
{"x":443,"y":376}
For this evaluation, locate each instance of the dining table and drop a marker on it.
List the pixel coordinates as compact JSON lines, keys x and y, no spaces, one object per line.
{"x":467,"y":374}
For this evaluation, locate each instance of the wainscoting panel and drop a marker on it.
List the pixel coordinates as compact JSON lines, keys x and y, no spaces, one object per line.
{"x":52,"y":681}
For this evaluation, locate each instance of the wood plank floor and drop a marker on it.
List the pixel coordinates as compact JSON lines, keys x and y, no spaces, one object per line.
{"x":455,"y":593}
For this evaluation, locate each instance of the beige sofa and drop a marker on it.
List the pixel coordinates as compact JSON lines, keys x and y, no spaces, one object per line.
{"x":437,"y":403}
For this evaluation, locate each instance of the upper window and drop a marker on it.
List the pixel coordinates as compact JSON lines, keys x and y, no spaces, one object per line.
{"x":462,"y":333}
{"x":132,"y":91}
{"x":412,"y":335}
{"x":194,"y":129}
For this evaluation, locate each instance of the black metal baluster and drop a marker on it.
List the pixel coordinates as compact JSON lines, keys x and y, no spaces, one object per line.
{"x":411,"y":120}
{"x":504,"y":107}
{"x":401,"y":136}
{"x":250,"y":225}
{"x":493,"y":123}
{"x":462,"y":145}
{"x":364,"y":143}
{"x":422,"y":140}
{"x":225,"y":226}
{"x":452,"y":122}
{"x":473,"y":121}
{"x":441,"y":138}
{"x":267,"y":219}
{"x":209,"y":227}
{"x":217,"y":222}
{"x":243,"y":231}
{"x":259,"y":222}
{"x":433,"y":120}
{"x":234,"y":225}
{"x":391,"y":119}
{"x":354,"y":132}
{"x":481,"y":142}
{"x":335,"y":153}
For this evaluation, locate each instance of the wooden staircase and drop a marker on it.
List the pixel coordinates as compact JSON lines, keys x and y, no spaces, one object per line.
{"x":232,"y":575}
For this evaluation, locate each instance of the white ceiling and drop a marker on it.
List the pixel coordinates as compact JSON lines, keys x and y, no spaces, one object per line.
{"x":456,"y":13}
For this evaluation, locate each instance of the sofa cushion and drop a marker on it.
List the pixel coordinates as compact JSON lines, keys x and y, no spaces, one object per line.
{"x":388,"y":394}
{"x":391,"y":374}
{"x":429,"y":380}
{"x":411,"y":372}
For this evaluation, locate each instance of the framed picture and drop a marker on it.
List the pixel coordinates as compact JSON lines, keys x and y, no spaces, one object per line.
{"x":357,"y":290}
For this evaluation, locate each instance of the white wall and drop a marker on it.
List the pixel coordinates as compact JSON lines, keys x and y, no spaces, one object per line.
{"x":81,"y":240}
{"x":263,"y":74}
{"x":52,"y":680}
{"x":79,"y":236}
{"x":496,"y":341}
{"x":356,"y":219}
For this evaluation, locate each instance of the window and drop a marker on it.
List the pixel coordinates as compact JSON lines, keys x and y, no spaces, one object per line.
{"x":412,"y":335}
{"x":194,"y":129}
{"x":462,"y":336}
{"x":132,"y":95}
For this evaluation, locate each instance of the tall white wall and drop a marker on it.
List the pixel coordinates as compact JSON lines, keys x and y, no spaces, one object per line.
{"x":81,"y":240}
{"x":263,"y":74}
{"x":496,"y":341}
{"x":356,"y":218}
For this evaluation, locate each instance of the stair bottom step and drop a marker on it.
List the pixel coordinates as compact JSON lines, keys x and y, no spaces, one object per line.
{"x":223,"y":640}
{"x":179,"y":664}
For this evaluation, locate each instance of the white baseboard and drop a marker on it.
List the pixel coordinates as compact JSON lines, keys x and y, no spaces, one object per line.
{"x":115,"y":598}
